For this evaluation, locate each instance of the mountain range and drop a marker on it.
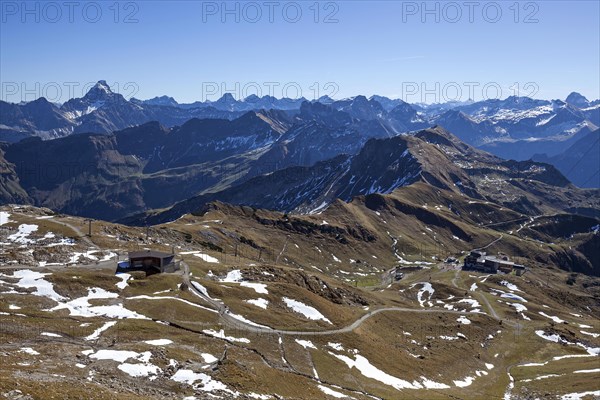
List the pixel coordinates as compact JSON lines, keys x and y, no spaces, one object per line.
{"x":516,"y":127}
{"x":149,"y":161}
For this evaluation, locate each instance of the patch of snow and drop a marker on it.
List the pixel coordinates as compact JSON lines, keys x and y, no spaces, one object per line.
{"x":553,"y":338}
{"x":4,"y":218}
{"x":28,"y":350}
{"x":510,"y":286}
{"x":308,"y":311}
{"x":429,"y":384}
{"x":241,"y":318}
{"x":208,"y":384}
{"x":158,"y":342}
{"x":23,"y":232}
{"x":207,"y":258}
{"x":145,"y":297}
{"x":123,"y":284}
{"x":587,"y":371}
{"x":580,"y":396}
{"x":336,"y":346}
{"x":449,"y":337}
{"x":260,"y":302}
{"x":50,"y":334}
{"x":33,"y":279}
{"x":115,"y":355}
{"x":235,"y":276}
{"x":370,"y":371}
{"x":221,"y":335}
{"x":209,"y":358}
{"x":426,"y":288}
{"x":139,"y":370}
{"x":474,"y":303}
{"x":306,"y":344}
{"x":98,"y":331}
{"x":81,"y":307}
{"x":259,"y":288}
{"x":465,"y":382}
{"x":510,"y":296}
{"x":592,"y":334}
{"x":552,"y":317}
{"x":331,"y":392}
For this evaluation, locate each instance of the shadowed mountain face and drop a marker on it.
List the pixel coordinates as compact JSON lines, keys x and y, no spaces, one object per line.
{"x":297,"y":160}
{"x":580,"y":162}
{"x":433,"y":157}
{"x":107,"y":176}
{"x":310,"y":131}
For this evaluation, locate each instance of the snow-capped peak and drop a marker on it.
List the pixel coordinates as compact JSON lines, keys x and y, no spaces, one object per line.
{"x":103,"y":86}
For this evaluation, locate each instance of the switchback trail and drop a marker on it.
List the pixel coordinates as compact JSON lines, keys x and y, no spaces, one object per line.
{"x":233,"y":322}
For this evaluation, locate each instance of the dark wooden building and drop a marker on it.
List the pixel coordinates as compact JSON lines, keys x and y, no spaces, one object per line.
{"x":150,"y":261}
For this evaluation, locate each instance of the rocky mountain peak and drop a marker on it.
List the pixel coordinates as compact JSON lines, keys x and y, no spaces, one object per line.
{"x":577,"y":99}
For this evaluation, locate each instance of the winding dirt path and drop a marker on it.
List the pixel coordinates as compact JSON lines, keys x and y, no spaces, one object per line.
{"x":233,"y":322}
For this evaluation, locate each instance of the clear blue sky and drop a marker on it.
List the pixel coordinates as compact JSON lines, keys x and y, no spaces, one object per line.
{"x":374,"y":48}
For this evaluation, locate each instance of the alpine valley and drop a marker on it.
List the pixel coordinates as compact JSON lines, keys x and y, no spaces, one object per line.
{"x":318,"y":249}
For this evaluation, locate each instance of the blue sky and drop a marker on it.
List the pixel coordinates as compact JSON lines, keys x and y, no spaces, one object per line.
{"x":185,"y":50}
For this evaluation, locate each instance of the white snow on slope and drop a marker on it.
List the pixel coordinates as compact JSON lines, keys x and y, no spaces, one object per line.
{"x":23,"y":233}
{"x":208,"y":384}
{"x":207,"y":258}
{"x":336,"y":346}
{"x":464,"y":382}
{"x":553,"y":338}
{"x":370,"y":371}
{"x":124,"y":278}
{"x":308,"y":311}
{"x":426,"y":288}
{"x":592,"y":334}
{"x":520,"y":309}
{"x":33,"y":279}
{"x":241,"y":318}
{"x":587,"y":371}
{"x":145,"y":297}
{"x":4,"y":218}
{"x":552,"y":317}
{"x":235,"y":276}
{"x":208,"y":358}
{"x":307,"y":344}
{"x":474,"y":303}
{"x":98,"y":331}
{"x":50,"y":334}
{"x":580,"y":396}
{"x":259,"y":288}
{"x":81,"y":307}
{"x":115,"y":355}
{"x":260,"y":302}
{"x":510,"y":286}
{"x":221,"y":335}
{"x":139,"y":370}
{"x":158,"y":342}
{"x":331,"y":392}
{"x":28,"y":350}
